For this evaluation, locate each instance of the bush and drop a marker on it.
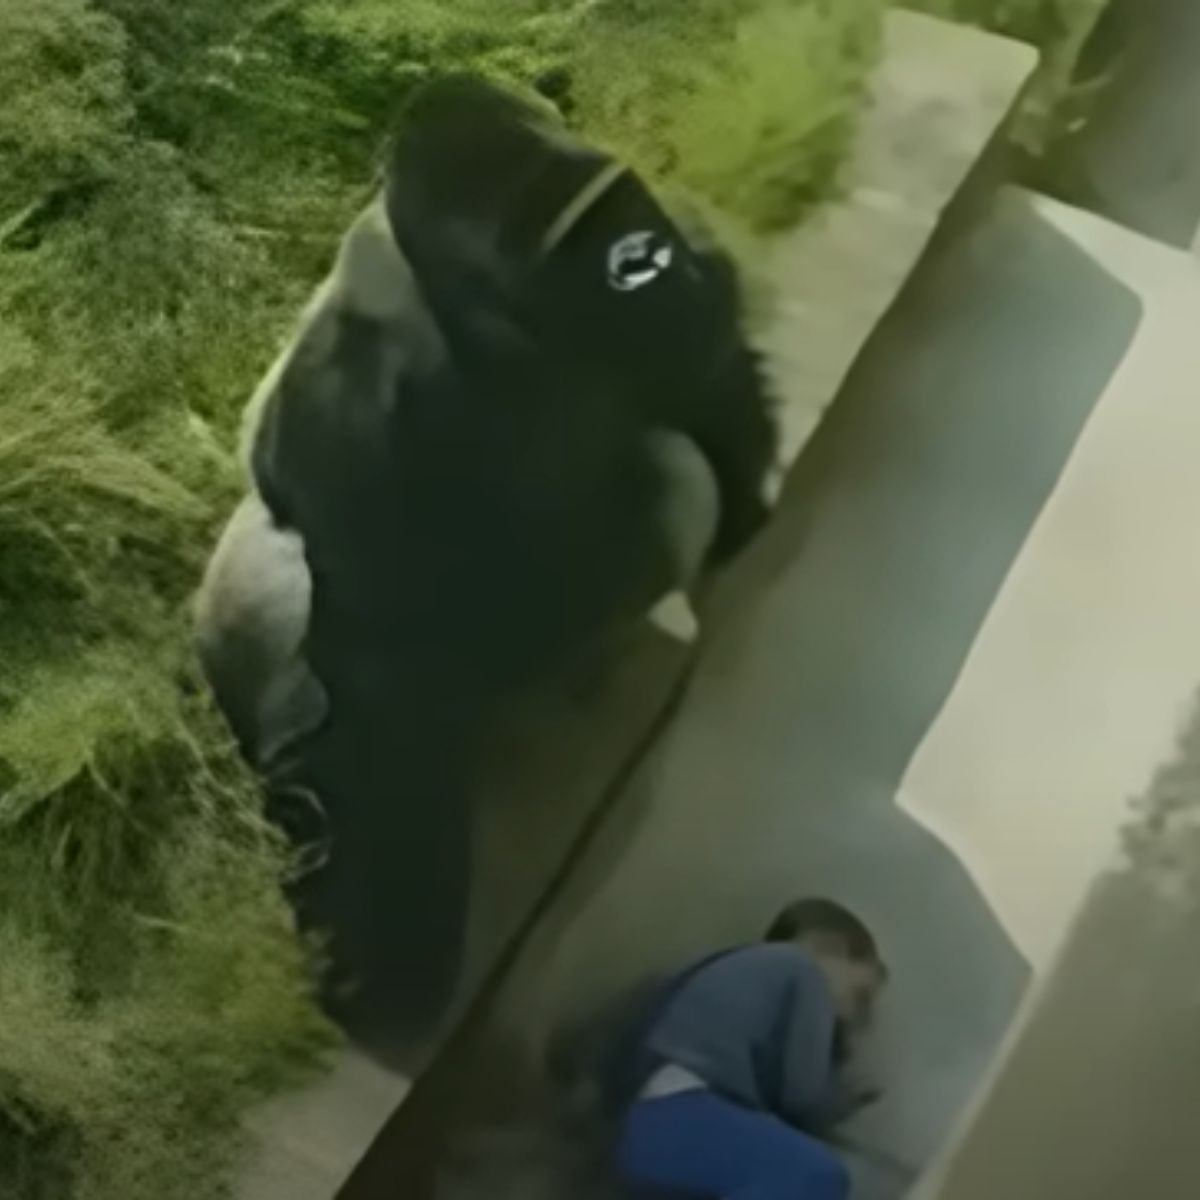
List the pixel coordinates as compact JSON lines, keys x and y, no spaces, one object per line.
{"x":63,"y":104}
{"x":151,"y":985}
{"x":133,"y":1087}
{"x":747,"y":108}
{"x":656,"y":81}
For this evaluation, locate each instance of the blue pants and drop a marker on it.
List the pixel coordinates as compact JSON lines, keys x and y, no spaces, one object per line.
{"x":695,"y":1144}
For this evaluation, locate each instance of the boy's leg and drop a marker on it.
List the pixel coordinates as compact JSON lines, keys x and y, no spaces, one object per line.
{"x":696,"y":1144}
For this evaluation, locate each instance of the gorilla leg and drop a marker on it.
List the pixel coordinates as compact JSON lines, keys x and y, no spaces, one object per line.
{"x":388,"y":894}
{"x":381,"y":792}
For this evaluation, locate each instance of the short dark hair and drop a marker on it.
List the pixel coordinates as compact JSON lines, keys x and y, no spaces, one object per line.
{"x":820,"y":916}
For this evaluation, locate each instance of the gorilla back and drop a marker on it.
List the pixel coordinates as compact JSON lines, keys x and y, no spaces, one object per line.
{"x":519,"y":412}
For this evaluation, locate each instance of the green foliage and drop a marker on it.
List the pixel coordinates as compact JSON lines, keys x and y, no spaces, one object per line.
{"x":63,"y":106}
{"x":151,"y":986}
{"x":747,"y":107}
{"x":658,"y":83}
{"x":135,"y":1090}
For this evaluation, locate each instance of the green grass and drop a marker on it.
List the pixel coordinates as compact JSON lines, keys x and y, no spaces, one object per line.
{"x":659,"y":82}
{"x":746,"y":108}
{"x":132,"y":1084}
{"x":173,"y":180}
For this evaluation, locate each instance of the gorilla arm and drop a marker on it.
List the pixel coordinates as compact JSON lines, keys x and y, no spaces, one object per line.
{"x":251,"y":615}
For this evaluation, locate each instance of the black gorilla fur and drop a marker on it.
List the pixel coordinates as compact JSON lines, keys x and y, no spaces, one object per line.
{"x":463,"y":437}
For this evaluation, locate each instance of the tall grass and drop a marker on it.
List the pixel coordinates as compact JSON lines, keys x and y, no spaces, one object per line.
{"x":745,"y":104}
{"x":150,"y":984}
{"x":747,"y":108}
{"x":126,"y":1076}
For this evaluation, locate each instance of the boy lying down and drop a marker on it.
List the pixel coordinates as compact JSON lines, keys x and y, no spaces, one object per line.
{"x":733,"y":1073}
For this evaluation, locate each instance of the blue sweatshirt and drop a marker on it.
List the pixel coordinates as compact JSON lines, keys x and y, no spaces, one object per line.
{"x":758,"y":1026}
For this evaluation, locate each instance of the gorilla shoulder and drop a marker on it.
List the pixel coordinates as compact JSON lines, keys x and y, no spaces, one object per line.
{"x":370,"y":281}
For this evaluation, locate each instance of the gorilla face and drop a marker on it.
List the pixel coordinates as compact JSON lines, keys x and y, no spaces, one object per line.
{"x":485,"y":189}
{"x":475,"y":182}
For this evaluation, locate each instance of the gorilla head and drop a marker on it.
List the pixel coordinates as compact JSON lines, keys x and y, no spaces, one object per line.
{"x":519,"y":411}
{"x":578,"y":265}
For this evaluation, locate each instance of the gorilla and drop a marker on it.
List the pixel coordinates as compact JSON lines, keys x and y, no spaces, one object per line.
{"x":518,"y":414}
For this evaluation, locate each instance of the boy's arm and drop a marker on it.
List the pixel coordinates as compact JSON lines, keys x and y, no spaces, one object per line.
{"x":817,"y":1091}
{"x":807,"y":1078}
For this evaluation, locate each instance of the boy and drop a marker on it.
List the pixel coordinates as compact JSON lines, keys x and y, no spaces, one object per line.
{"x":742,"y":1061}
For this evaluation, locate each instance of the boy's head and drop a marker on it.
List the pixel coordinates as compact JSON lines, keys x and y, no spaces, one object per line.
{"x":845,"y":950}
